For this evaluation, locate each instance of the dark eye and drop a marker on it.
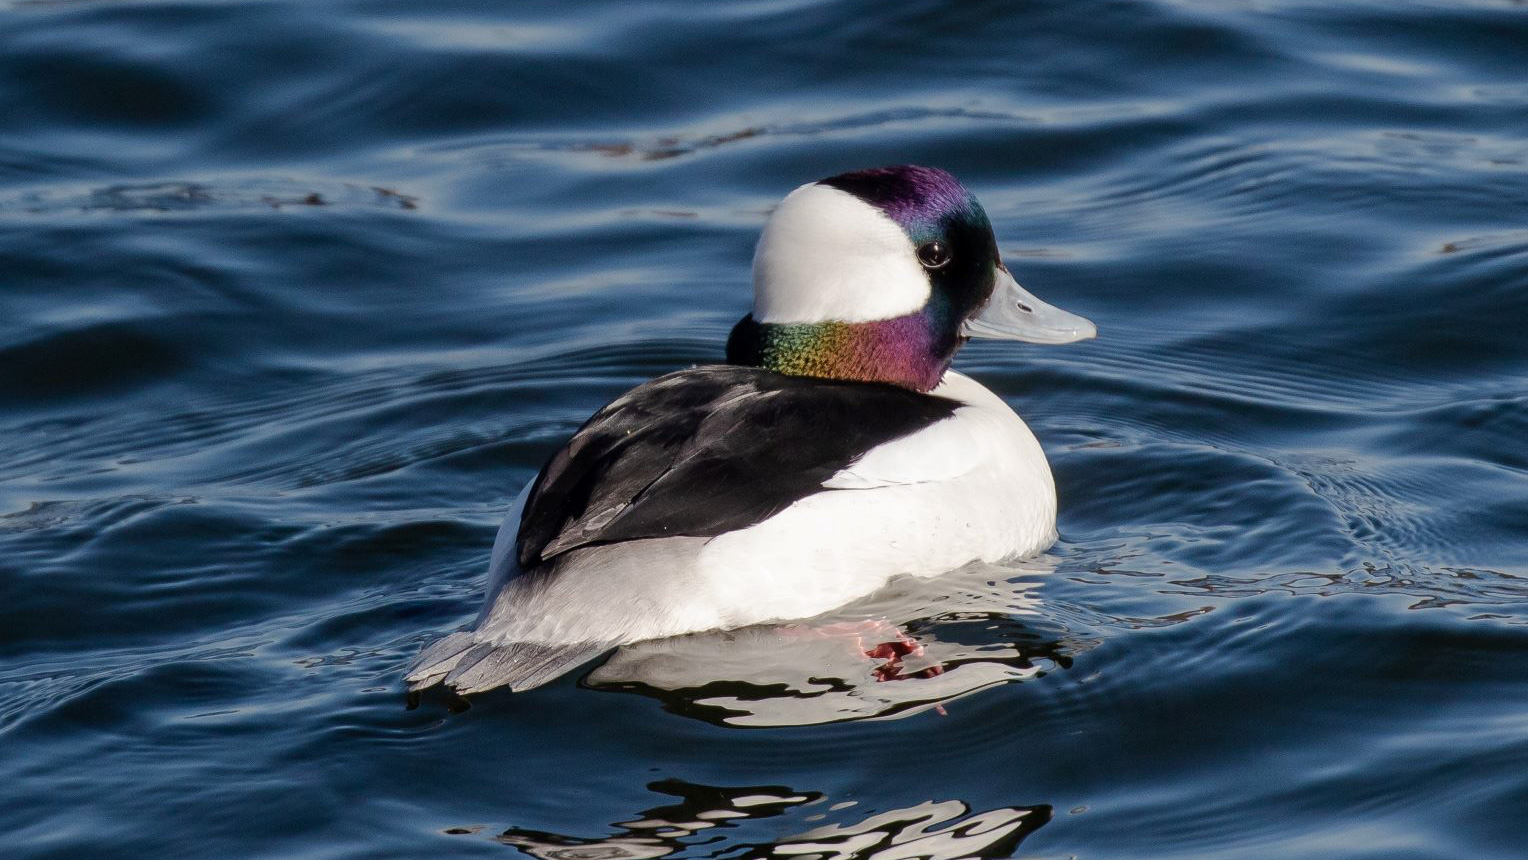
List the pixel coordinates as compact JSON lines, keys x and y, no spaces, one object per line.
{"x":933,"y":255}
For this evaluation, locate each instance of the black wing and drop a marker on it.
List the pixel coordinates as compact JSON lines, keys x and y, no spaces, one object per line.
{"x":706,"y":451}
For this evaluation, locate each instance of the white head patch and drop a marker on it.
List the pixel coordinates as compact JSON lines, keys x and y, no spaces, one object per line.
{"x":828,"y":255}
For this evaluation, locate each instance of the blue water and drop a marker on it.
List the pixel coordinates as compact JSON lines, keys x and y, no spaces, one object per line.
{"x":295,"y":296}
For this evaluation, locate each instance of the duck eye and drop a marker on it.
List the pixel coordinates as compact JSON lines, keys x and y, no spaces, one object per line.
{"x":933,"y":255}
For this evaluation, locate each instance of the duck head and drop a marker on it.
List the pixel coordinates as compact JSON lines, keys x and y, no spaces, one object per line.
{"x":881,"y":276}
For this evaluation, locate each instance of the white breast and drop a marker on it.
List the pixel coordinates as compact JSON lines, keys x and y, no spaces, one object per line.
{"x":974,"y":487}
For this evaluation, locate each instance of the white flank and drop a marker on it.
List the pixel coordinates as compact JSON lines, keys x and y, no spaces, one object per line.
{"x":974,"y":487}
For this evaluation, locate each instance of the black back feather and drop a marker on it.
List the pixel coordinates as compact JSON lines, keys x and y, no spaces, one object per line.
{"x":708,"y":450}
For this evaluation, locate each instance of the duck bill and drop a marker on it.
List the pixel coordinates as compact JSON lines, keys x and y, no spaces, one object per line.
{"x":1013,"y":313}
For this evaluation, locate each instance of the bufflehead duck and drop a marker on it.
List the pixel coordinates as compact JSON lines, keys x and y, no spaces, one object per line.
{"x":833,"y":451}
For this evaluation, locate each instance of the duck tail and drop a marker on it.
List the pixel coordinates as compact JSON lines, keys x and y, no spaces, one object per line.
{"x":470,"y":666}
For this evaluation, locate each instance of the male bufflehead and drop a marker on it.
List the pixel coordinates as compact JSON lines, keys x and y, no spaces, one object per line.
{"x":833,"y":451}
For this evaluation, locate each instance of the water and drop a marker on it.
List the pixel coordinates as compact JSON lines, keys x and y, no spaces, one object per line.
{"x":297,"y":296}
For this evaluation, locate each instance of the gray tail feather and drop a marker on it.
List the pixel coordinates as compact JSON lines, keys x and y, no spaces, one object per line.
{"x":436,"y":661}
{"x":472,"y":667}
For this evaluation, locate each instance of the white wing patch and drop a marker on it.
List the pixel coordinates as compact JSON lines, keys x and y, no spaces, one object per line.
{"x":982,"y":431}
{"x":941,"y":452}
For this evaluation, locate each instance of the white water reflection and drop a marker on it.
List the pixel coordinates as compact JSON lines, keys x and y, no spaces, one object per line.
{"x":935,"y":830}
{"x":911,"y":647}
{"x":931,"y":831}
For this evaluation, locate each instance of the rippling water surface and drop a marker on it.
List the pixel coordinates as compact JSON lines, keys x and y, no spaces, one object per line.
{"x":297,"y":295}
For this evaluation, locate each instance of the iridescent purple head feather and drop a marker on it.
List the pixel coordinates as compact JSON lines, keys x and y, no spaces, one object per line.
{"x":917,"y":198}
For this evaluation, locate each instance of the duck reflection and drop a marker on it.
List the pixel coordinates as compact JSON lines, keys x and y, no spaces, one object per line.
{"x":946,"y":830}
{"x":911,"y":647}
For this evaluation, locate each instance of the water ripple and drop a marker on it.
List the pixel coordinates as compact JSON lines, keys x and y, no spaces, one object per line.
{"x":298,"y":296}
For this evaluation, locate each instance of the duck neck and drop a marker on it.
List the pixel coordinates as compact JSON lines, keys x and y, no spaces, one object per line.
{"x":909,"y":351}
